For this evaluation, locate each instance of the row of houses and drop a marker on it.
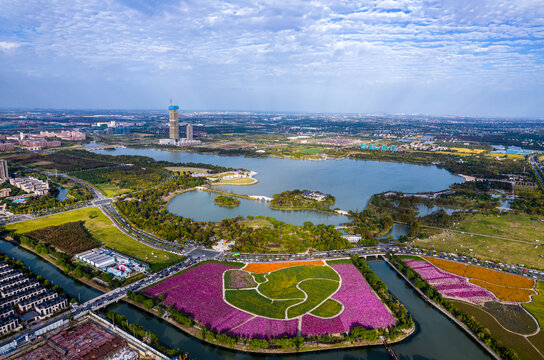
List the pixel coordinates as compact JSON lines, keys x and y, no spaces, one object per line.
{"x":30,"y":184}
{"x":22,"y":295}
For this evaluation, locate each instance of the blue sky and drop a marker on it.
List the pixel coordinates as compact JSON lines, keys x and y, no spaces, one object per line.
{"x":452,"y":57}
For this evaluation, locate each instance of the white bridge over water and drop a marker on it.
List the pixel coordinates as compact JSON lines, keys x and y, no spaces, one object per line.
{"x":261,"y":197}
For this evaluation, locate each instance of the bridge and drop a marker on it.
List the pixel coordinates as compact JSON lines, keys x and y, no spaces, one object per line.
{"x":261,"y":197}
{"x":102,"y":147}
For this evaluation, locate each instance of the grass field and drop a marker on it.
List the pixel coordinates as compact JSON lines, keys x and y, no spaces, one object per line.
{"x":102,"y":229}
{"x":111,"y":190}
{"x":256,"y":223}
{"x":237,"y":181}
{"x":317,"y":291}
{"x":485,"y":248}
{"x":186,"y":168}
{"x":508,"y":238}
{"x":311,"y":151}
{"x":253,"y":302}
{"x":518,"y":343}
{"x":536,"y":307}
{"x":305,"y":287}
{"x":328,"y":309}
{"x":512,"y":226}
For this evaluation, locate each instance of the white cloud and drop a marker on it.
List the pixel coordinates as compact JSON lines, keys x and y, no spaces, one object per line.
{"x":295,"y":41}
{"x":8,"y":46}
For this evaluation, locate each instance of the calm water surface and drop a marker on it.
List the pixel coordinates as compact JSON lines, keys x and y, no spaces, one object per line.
{"x":352,"y":182}
{"x":62,"y":194}
{"x":199,"y":206}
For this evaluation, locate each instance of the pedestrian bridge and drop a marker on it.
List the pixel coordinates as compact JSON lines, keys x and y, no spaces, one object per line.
{"x":261,"y":197}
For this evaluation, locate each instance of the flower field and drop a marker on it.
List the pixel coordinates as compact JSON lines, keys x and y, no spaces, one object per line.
{"x":199,"y":293}
{"x":507,"y":287}
{"x":450,"y":285}
{"x":239,"y":279}
{"x":260,"y":268}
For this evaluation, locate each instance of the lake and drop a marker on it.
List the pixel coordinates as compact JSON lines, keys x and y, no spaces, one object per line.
{"x":351,"y":182}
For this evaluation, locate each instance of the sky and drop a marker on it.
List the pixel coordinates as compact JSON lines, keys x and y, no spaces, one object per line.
{"x":451,"y":57}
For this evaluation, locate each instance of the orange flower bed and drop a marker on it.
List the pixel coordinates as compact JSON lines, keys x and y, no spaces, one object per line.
{"x":273,"y":266}
{"x":506,"y":293}
{"x":508,"y":287}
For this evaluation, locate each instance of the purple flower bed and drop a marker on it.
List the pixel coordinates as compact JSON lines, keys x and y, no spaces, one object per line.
{"x":266,"y":328}
{"x":199,"y":292}
{"x":238,"y":279}
{"x":362,"y":307}
{"x":450,"y":285}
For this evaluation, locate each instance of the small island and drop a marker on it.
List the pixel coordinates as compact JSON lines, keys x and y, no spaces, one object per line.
{"x":227,"y":201}
{"x":302,"y":200}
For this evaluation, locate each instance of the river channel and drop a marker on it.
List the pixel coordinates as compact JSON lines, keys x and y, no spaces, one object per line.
{"x":436,"y":336}
{"x":351,"y":182}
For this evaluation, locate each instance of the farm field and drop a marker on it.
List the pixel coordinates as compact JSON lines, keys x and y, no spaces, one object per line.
{"x":318,"y":299}
{"x":507,"y":287}
{"x":102,"y":229}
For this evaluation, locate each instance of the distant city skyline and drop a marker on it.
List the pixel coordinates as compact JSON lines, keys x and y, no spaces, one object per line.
{"x":447,"y":58}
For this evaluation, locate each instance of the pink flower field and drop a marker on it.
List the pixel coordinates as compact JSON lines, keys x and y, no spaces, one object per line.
{"x":199,"y":292}
{"x":450,"y":285}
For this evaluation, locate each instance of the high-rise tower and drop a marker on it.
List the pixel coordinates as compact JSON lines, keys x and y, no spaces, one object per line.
{"x":189,"y":132}
{"x":174,"y":121}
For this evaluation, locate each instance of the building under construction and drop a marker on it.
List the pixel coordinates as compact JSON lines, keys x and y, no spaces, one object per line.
{"x":174,"y":121}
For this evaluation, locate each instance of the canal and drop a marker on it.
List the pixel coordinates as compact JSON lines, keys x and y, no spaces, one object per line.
{"x":436,"y":336}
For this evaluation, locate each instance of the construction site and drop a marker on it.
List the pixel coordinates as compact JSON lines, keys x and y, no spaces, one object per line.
{"x":89,"y":338}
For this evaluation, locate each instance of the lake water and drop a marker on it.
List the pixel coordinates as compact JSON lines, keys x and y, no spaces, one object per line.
{"x":62,"y":194}
{"x":351,"y":182}
{"x":199,"y":206}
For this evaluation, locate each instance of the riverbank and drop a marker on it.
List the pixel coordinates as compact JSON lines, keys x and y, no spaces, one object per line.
{"x":307,"y":347}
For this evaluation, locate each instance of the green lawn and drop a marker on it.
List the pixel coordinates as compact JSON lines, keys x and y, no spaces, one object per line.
{"x":259,"y":278}
{"x":111,"y":190}
{"x":511,"y":226}
{"x":280,"y":292}
{"x":317,"y":291}
{"x":102,"y":229}
{"x":255,"y":303}
{"x":256,"y":223}
{"x":536,"y":307}
{"x":282,"y":283}
{"x":328,"y":309}
{"x":486,"y":248}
